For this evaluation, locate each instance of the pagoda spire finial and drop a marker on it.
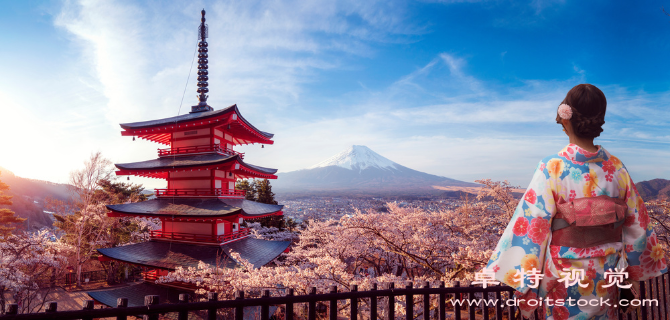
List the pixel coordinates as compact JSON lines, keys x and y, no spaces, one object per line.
{"x":202,"y":68}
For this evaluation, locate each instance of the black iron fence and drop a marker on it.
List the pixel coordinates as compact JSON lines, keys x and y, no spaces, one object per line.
{"x":370,"y":304}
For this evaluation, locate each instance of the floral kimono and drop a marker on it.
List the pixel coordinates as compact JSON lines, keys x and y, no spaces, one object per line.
{"x":526,"y":242}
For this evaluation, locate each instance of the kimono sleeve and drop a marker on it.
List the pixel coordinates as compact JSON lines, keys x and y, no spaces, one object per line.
{"x":646,"y":258}
{"x":523,"y":245}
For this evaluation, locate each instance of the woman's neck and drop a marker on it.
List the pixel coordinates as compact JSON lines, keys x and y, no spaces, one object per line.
{"x":586,"y":144}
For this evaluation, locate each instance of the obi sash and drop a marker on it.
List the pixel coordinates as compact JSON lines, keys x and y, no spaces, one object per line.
{"x":587,"y":222}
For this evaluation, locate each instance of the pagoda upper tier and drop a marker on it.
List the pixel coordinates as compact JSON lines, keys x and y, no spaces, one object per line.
{"x":225,"y":124}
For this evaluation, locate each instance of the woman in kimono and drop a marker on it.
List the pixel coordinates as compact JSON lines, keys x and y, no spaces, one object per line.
{"x":579,"y":170}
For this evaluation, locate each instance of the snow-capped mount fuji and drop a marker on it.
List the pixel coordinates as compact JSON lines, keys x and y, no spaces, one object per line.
{"x":359,"y":169}
{"x":357,"y":158}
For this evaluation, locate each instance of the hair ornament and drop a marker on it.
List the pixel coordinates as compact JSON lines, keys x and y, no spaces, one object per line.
{"x":565,"y":112}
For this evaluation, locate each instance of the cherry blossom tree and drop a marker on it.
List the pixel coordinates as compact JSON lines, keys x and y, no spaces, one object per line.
{"x":659,"y":212}
{"x":26,"y":261}
{"x":371,"y":247}
{"x":84,"y":218}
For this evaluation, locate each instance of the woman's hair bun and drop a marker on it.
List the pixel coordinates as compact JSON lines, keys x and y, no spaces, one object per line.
{"x":588,"y":105}
{"x":588,"y":127}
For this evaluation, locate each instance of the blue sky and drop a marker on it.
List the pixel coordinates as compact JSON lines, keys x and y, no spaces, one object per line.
{"x":463,"y":89}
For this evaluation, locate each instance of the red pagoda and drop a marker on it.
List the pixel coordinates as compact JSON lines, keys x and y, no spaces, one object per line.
{"x":201,"y":213}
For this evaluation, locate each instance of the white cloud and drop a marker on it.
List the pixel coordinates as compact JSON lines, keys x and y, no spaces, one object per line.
{"x":133,"y":61}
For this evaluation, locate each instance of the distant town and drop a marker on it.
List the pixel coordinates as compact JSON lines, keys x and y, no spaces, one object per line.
{"x":324,"y":208}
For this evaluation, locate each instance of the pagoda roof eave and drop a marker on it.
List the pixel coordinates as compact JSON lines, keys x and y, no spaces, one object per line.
{"x":158,"y":130}
{"x":189,"y":208}
{"x":207,"y":162}
{"x":170,"y":255}
{"x":166,"y":255}
{"x":242,"y":214}
{"x":184,"y":118}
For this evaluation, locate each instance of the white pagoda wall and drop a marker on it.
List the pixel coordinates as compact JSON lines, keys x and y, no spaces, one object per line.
{"x":190,"y":179}
{"x":188,"y":227}
{"x":189,"y":184}
{"x":221,"y":227}
{"x":186,"y":138}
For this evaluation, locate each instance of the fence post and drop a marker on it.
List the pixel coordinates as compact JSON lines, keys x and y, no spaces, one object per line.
{"x":11,"y":309}
{"x":373,"y":303}
{"x":265,"y":307}
{"x":665,"y":295}
{"x":51,"y":307}
{"x":183,"y":314}
{"x":471,"y":308}
{"x":409,"y":301}
{"x":88,"y":305}
{"x":151,"y":300}
{"x":643,"y":295}
{"x":499,"y":309}
{"x":289,"y":305}
{"x":391,"y":310}
{"x":311,"y":312}
{"x":121,"y":303}
{"x":656,"y":296}
{"x":239,"y":310}
{"x":211,"y":297}
{"x":354,"y":303}
{"x":441,"y":307}
{"x":426,"y":302}
{"x":332,"y":310}
{"x":457,"y":308}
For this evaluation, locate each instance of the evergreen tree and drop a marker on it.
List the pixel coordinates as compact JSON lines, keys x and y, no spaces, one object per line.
{"x":261,"y":191}
{"x":6,"y":216}
{"x":249,"y":187}
{"x":264,"y":192}
{"x":119,"y":192}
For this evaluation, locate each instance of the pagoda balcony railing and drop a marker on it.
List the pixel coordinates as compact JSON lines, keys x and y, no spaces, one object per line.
{"x":192,"y":237}
{"x":151,"y":275}
{"x":179,"y":151}
{"x":242,"y":233}
{"x":200,"y":192}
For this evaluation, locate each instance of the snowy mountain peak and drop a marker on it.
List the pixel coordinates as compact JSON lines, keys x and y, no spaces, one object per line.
{"x":358,"y":157}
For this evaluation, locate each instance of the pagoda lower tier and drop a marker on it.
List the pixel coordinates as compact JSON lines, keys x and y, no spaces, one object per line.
{"x":158,"y":258}
{"x":166,"y":294}
{"x":168,"y":256}
{"x":210,"y":221}
{"x":135,"y":294}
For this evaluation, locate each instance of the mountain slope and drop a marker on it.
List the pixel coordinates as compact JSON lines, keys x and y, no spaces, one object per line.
{"x":359,"y":169}
{"x":29,"y":195}
{"x":652,"y":189}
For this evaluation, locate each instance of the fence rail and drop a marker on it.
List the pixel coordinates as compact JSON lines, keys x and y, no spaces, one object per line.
{"x":656,"y":288}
